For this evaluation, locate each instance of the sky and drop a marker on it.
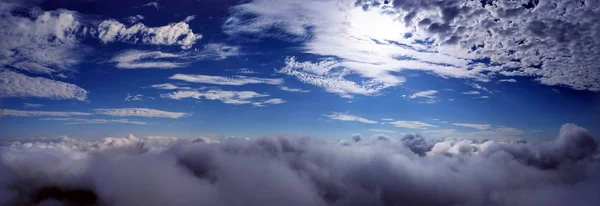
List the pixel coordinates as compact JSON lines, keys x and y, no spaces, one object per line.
{"x":326,"y":69}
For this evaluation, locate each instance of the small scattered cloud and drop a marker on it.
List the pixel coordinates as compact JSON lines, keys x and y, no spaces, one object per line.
{"x":94,"y":121}
{"x":135,"y":19}
{"x":474,"y":126}
{"x":227,"y":97}
{"x":154,"y":4}
{"x":508,"y":80}
{"x":269,"y":101}
{"x":349,"y":117}
{"x":428,"y":95}
{"x":471,"y":93}
{"x":141,"y":112}
{"x":411,"y":124}
{"x":222,"y":80}
{"x":137,"y":97}
{"x":31,"y":105}
{"x":382,"y":130}
{"x":169,"y":86}
{"x":24,"y":113}
{"x":288,"y":89}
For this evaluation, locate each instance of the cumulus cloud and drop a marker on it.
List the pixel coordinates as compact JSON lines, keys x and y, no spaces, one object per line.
{"x":141,"y":112}
{"x":555,"y":42}
{"x":178,"y":33}
{"x":302,"y":171}
{"x":227,"y":97}
{"x":410,"y":124}
{"x":14,"y":84}
{"x":23,"y":113}
{"x":222,"y":80}
{"x":474,"y":126}
{"x":349,"y":117}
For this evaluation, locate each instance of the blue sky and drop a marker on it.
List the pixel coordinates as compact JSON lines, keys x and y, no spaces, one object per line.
{"x":326,"y":69}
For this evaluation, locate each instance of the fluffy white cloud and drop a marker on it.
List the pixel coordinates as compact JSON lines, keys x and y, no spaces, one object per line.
{"x":555,"y":42}
{"x":411,"y":124}
{"x":349,"y":117}
{"x":474,"y":126}
{"x":414,"y":169}
{"x":330,"y":75}
{"x":23,"y":113}
{"x":227,"y":97}
{"x":288,"y":89}
{"x":40,"y":41}
{"x":178,"y":33}
{"x":13,"y":84}
{"x":221,"y":80}
{"x":141,"y":112}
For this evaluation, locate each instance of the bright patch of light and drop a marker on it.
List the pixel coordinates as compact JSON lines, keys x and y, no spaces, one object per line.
{"x":375,"y":24}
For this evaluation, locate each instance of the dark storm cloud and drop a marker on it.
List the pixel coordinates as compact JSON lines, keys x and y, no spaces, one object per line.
{"x":303,"y":171}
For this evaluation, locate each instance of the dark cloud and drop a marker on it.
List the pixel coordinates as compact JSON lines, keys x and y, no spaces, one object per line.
{"x":301,"y":171}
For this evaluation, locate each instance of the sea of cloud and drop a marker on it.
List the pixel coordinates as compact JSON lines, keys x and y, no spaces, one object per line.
{"x":412,"y":170}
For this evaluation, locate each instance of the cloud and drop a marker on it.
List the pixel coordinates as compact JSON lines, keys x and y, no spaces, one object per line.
{"x":141,"y":112}
{"x":553,"y":42}
{"x":471,"y":93}
{"x":474,"y":126}
{"x":329,"y":75}
{"x":288,"y":89}
{"x":143,"y":59}
{"x":178,"y":33}
{"x":221,"y":80}
{"x":411,"y":124}
{"x":429,"y":94}
{"x":40,"y":42}
{"x":269,"y":101}
{"x":382,"y":130}
{"x":349,"y":117}
{"x":31,"y":105}
{"x":168,"y":86}
{"x":135,"y":19}
{"x":13,"y":84}
{"x":23,"y":113}
{"x":227,"y":97}
{"x":94,"y":121}
{"x":137,"y":97}
{"x":154,"y":4}
{"x":508,"y":80}
{"x":414,"y":170}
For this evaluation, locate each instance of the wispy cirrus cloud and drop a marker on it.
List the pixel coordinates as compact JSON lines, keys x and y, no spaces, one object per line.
{"x":141,"y":112}
{"x":474,"y":126}
{"x":222,"y":80}
{"x":168,"y":86}
{"x":349,"y":117}
{"x":411,"y":124}
{"x":94,"y":121}
{"x":24,"y":113}
{"x":227,"y":97}
{"x":288,"y":89}
{"x":14,"y":84}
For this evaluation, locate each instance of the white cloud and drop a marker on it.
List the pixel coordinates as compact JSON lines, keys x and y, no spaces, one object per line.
{"x":135,"y":19}
{"x":329,"y":75}
{"x":137,"y":97}
{"x":471,"y":93}
{"x":411,"y":124}
{"x":555,"y":42}
{"x":382,"y":130}
{"x":221,"y":80}
{"x":144,"y":59}
{"x":428,"y":95}
{"x":94,"y":121}
{"x":483,"y":97}
{"x":23,"y":113}
{"x":154,"y":4}
{"x":39,"y":41}
{"x":349,"y":117}
{"x":178,"y":33}
{"x":141,"y":112}
{"x":508,"y":80}
{"x":387,"y":119}
{"x":288,"y":89}
{"x":227,"y":97}
{"x":13,"y":84}
{"x":168,"y":86}
{"x":189,"y":18}
{"x":474,"y":126}
{"x":31,"y":105}
{"x":269,"y":101}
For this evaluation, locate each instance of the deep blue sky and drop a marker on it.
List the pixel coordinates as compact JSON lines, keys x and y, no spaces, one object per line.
{"x":416,"y":91}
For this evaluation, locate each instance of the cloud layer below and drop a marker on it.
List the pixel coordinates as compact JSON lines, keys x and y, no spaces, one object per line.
{"x":300,"y":171}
